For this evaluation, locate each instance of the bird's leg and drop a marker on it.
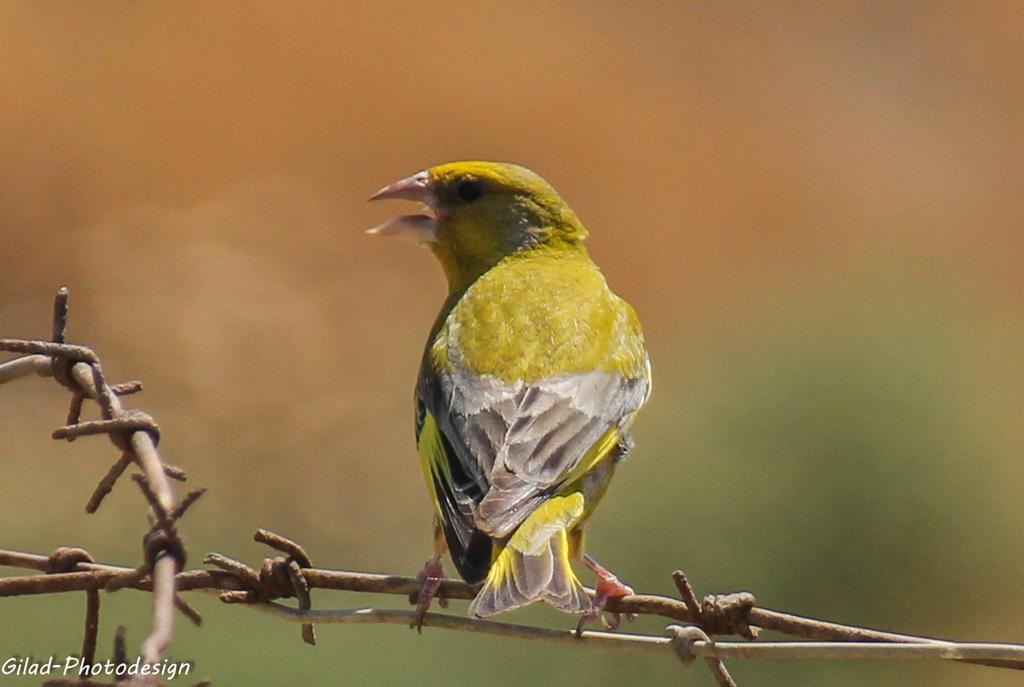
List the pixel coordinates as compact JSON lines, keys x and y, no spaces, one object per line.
{"x":608,"y":586}
{"x":431,"y":578}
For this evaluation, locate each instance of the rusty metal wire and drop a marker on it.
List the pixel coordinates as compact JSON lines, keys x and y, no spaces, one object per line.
{"x":136,"y":435}
{"x":238,"y":583}
{"x":291,"y":573}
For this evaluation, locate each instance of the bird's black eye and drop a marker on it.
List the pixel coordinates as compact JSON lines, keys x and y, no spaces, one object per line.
{"x":469,"y":190}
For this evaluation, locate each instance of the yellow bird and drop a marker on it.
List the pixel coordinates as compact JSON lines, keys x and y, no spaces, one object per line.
{"x":531,"y":377}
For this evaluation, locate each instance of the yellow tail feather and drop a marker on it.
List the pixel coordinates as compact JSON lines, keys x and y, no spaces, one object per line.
{"x":534,"y":564}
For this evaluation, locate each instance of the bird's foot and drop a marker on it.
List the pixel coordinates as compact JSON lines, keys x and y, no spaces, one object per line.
{"x":431,"y":578}
{"x":608,"y":587}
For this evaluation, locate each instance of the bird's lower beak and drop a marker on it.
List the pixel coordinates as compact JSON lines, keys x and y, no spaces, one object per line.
{"x":415,"y":228}
{"x":421,"y":228}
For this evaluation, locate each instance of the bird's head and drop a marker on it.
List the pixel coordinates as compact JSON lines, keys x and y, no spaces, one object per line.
{"x":477,"y":213}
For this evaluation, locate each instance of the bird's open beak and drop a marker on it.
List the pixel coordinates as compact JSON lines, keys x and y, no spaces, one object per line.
{"x":419,"y":228}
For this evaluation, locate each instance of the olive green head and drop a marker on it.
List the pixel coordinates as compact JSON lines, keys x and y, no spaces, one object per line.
{"x":482,"y":212}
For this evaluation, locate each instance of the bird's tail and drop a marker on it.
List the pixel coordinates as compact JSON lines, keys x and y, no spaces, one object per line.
{"x":534,"y":564}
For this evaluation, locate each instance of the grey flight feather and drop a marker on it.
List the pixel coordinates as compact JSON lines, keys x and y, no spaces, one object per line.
{"x":511,"y":445}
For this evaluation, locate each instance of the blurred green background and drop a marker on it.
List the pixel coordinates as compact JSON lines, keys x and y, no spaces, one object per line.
{"x":815,"y":208}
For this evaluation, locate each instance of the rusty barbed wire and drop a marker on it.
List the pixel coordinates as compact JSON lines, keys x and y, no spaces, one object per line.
{"x":291,"y":573}
{"x":136,"y":435}
{"x":238,"y":583}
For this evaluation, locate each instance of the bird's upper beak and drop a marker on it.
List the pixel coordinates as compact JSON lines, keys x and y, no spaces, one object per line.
{"x":420,"y":228}
{"x":416,"y":187}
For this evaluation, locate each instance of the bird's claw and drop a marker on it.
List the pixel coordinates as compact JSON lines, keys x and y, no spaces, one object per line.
{"x":609,"y":619}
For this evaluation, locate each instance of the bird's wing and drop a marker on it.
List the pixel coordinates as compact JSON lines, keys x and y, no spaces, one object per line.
{"x":454,"y":477}
{"x":502,"y":449}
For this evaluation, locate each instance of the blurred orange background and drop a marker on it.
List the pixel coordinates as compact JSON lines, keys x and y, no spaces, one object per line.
{"x":814,"y":207}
